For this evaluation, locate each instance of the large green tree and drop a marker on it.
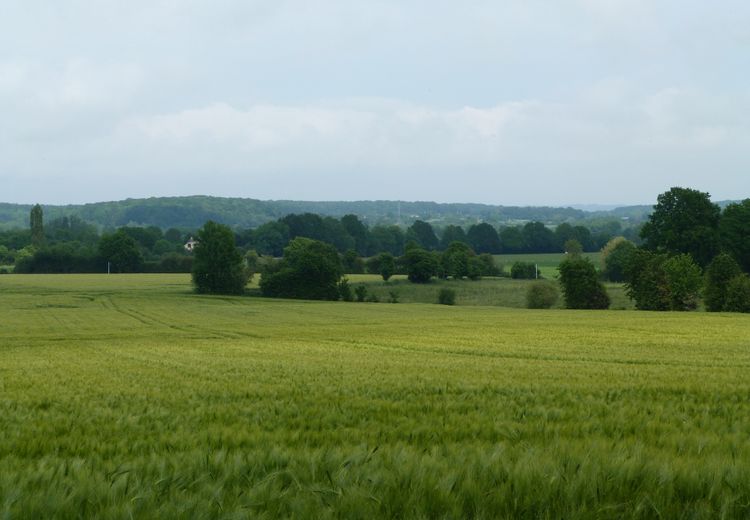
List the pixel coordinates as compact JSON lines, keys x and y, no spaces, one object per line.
{"x":719,"y":273}
{"x":483,"y":238}
{"x":422,"y":233}
{"x":121,"y":251}
{"x":734,"y":230}
{"x":218,"y":266}
{"x":684,"y":221}
{"x":421,"y":265}
{"x":310,"y":270}
{"x":580,"y":284}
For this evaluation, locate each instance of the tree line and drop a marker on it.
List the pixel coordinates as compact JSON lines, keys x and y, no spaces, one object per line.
{"x":70,"y":244}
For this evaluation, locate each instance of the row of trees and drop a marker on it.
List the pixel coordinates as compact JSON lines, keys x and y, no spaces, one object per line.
{"x":350,"y":233}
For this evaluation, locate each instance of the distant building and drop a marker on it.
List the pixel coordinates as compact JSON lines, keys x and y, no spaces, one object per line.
{"x":190,"y":245}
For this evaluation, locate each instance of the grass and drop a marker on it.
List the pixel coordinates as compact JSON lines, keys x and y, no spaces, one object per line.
{"x":502,"y":292}
{"x":547,"y":262}
{"x":128,"y":396}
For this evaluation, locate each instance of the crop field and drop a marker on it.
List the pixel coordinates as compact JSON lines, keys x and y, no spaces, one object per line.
{"x":128,"y":396}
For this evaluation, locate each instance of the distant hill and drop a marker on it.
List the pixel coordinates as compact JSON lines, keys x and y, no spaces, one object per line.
{"x":192,"y":212}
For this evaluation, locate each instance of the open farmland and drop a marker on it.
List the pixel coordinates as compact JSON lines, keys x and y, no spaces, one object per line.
{"x":129,"y":396}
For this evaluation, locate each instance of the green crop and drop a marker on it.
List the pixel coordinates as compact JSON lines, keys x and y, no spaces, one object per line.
{"x":129,"y":396}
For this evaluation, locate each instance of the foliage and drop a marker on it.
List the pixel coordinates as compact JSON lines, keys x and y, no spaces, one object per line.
{"x":684,"y":221}
{"x":572,"y":247}
{"x":614,"y":259}
{"x":345,"y":290}
{"x":360,"y":292}
{"x":454,"y":261}
{"x":218,"y":267}
{"x":684,"y":281}
{"x":421,"y":265}
{"x":351,"y":263}
{"x":309,"y":270}
{"x":488,"y":266}
{"x":483,"y":238}
{"x":386,"y":265}
{"x":422,"y":233}
{"x":580,"y":284}
{"x":734,"y":229}
{"x":646,"y":281}
{"x":738,"y":294}
{"x":541,"y":294}
{"x":447,"y":297}
{"x":121,"y":251}
{"x":523,"y":270}
{"x":36,"y":223}
{"x":719,"y":272}
{"x":539,"y":238}
{"x":393,"y":296}
{"x":452,"y":234}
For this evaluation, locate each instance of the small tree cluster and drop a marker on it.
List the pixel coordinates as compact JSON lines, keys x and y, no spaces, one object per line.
{"x":656,"y":281}
{"x":725,"y":286}
{"x":309,"y":270}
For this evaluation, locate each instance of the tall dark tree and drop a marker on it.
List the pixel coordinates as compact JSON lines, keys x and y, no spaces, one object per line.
{"x":483,"y":238}
{"x":538,"y":238}
{"x":452,"y":234}
{"x":734,"y":230}
{"x":684,"y":221}
{"x":511,"y":239}
{"x":718,"y":275}
{"x":580,"y":284}
{"x":218,"y":266}
{"x":422,"y":233}
{"x":387,"y":238}
{"x":122,"y":252}
{"x":36,"y":221}
{"x":358,"y":231}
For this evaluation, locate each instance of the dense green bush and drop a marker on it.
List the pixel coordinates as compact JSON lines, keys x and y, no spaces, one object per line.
{"x":738,"y":294}
{"x":719,"y":272}
{"x":614,"y":258}
{"x":447,"y":296}
{"x":580,"y":284}
{"x":541,"y":295}
{"x":345,"y":290}
{"x":360,"y":292}
{"x":310,"y":270}
{"x":684,"y":281}
{"x":421,"y":265}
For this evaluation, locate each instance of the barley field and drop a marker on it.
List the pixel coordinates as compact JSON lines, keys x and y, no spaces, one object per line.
{"x":127,"y":396}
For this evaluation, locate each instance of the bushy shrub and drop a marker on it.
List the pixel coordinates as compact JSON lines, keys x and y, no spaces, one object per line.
{"x":309,"y":270}
{"x":541,"y":295}
{"x":392,"y":297}
{"x":523,"y":270}
{"x":447,"y":297}
{"x":684,"y":280}
{"x":738,"y":294}
{"x":615,"y":256}
{"x":421,"y":265}
{"x":719,"y":272}
{"x":580,"y":284}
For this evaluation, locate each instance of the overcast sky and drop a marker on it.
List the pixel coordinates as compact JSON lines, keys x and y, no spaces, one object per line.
{"x":505,"y":102}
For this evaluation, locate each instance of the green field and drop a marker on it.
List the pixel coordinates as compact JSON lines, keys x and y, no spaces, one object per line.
{"x":129,"y":397}
{"x":547,"y":262}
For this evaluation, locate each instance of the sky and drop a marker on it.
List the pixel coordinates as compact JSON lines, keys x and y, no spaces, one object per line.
{"x":525,"y":102}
